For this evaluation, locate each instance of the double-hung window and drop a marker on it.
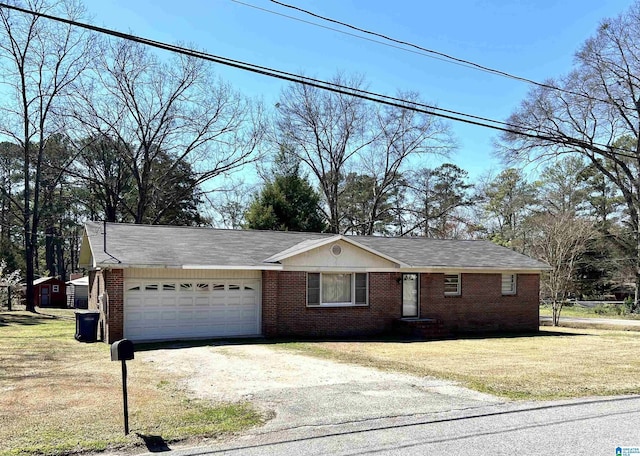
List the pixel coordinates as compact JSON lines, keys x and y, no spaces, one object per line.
{"x":452,"y":284}
{"x":509,"y":284}
{"x":337,"y":289}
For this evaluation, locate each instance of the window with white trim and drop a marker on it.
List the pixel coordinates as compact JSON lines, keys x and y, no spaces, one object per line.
{"x":509,"y":284}
{"x":55,"y":288}
{"x":452,"y":284}
{"x":337,"y":289}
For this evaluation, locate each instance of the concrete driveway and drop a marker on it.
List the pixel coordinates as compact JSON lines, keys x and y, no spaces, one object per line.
{"x":298,"y":390}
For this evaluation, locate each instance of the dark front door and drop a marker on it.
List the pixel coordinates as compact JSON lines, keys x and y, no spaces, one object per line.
{"x":44,"y":295}
{"x":410,"y":307}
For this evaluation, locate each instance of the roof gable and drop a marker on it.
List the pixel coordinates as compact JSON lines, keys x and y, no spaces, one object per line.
{"x":339,"y":254}
{"x":312,"y":250}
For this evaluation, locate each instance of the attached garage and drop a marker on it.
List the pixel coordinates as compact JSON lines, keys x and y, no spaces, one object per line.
{"x":161,"y":305}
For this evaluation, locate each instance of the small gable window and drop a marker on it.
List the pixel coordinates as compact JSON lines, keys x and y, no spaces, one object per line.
{"x":337,"y":289}
{"x":452,"y":285}
{"x":509,"y":284}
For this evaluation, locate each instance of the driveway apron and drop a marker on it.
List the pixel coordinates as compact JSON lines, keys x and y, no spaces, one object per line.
{"x":299,"y":390}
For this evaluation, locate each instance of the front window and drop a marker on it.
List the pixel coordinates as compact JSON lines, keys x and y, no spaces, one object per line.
{"x":508,"y":284}
{"x":337,"y":289}
{"x":452,"y":284}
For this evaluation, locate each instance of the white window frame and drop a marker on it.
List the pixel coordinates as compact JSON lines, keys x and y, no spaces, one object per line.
{"x":55,"y":288}
{"x":512,"y":290}
{"x":352,"y":303}
{"x":458,"y":291}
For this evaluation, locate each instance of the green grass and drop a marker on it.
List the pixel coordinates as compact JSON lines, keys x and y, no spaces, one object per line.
{"x":601,"y":311}
{"x":556,"y":363}
{"x":60,"y":396}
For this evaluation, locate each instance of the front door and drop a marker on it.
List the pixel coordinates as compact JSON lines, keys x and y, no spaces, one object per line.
{"x":44,"y":295}
{"x":410,"y":295}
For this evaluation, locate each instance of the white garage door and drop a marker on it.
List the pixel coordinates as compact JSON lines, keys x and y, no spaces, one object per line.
{"x":182,"y":309}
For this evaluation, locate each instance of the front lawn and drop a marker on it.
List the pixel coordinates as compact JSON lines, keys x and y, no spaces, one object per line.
{"x":60,"y":396}
{"x":556,"y":363}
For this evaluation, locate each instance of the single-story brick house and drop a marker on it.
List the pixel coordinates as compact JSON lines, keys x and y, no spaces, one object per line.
{"x":168,"y":283}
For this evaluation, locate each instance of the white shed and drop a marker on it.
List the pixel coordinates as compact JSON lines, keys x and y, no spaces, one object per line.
{"x":78,"y":293}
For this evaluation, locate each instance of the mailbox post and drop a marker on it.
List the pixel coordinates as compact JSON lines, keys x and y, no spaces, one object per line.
{"x":122,"y":350}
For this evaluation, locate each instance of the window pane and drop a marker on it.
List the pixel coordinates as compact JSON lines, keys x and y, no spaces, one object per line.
{"x":452,"y":284}
{"x":336,"y":288}
{"x":508,"y":283}
{"x":313,"y":280}
{"x":361,"y":288}
{"x":168,"y":287}
{"x":313,"y":289}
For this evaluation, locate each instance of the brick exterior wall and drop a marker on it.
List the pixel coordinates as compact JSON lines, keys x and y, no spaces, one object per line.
{"x":481,"y":305}
{"x":114,"y":285}
{"x":110,"y":326}
{"x":270,"y":303}
{"x":285,"y":312}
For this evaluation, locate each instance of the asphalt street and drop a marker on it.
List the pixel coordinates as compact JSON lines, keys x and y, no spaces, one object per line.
{"x":594,"y":426}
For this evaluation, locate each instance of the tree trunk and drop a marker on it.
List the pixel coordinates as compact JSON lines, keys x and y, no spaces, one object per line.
{"x":557,"y":308}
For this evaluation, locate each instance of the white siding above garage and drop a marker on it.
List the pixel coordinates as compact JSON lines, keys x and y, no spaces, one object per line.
{"x":185,"y":304}
{"x":172,"y":273}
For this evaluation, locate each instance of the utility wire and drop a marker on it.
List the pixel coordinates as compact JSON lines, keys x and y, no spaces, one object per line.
{"x":354,"y":35}
{"x":431,"y":52}
{"x":333,"y":87}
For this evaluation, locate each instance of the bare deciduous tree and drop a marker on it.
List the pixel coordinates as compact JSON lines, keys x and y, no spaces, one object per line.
{"x":559,"y":240}
{"x":171,"y":112}
{"x":39,"y":62}
{"x":401,"y":135}
{"x":596,"y":114}
{"x":336,"y":134}
{"x":326,"y":130}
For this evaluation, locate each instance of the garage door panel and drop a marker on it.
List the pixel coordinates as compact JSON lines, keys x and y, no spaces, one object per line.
{"x":171,"y":309}
{"x":202,"y":301}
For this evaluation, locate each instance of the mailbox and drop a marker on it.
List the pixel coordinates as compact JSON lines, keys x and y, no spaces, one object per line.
{"x":122,"y":350}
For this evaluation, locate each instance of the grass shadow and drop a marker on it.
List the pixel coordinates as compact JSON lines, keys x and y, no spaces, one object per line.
{"x":39,"y":316}
{"x":22,"y":318}
{"x":154,"y":443}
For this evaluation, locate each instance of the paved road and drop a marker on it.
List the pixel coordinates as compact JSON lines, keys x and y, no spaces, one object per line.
{"x":606,"y":321}
{"x":580,"y":427}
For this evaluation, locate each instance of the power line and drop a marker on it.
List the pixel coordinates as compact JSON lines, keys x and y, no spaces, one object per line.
{"x":354,"y":35}
{"x":430,"y":52}
{"x":333,"y":87}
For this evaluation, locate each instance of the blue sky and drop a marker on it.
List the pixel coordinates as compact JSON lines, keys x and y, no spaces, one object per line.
{"x":533,"y":39}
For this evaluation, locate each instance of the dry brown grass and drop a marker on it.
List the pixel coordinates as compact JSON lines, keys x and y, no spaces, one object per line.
{"x":61,"y":396}
{"x":557,"y":363}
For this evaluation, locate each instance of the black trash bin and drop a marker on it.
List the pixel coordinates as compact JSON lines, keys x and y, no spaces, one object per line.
{"x":87,"y":325}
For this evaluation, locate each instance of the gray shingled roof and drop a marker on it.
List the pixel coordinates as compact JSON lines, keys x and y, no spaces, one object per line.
{"x":169,"y":246}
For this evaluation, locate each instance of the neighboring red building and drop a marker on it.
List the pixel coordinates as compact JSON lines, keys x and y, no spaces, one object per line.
{"x":49,"y":292}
